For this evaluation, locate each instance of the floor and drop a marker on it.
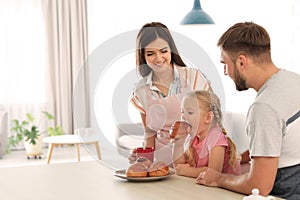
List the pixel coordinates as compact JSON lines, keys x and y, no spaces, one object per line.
{"x":64,"y":154}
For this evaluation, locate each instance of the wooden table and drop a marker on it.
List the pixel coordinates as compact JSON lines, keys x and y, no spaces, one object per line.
{"x":92,"y":180}
{"x":54,"y":141}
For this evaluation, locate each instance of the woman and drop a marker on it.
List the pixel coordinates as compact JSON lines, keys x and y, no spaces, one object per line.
{"x":165,"y":80}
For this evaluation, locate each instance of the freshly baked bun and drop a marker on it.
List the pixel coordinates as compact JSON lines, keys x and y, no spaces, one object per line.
{"x":179,"y":127}
{"x":158,"y":168}
{"x":136,"y":170}
{"x":139,"y":168}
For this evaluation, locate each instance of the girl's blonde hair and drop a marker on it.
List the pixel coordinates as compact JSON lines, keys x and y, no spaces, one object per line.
{"x":210,"y":101}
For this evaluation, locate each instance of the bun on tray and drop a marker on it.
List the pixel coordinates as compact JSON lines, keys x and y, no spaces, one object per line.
{"x":143,"y":167}
{"x":139,"y":168}
{"x":158,"y":168}
{"x":136,"y":170}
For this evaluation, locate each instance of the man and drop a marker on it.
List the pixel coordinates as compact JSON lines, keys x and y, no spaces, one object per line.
{"x":273,"y":122}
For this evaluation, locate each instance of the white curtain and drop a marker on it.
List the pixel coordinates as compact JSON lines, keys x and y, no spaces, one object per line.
{"x":66,"y":23}
{"x":43,"y":45}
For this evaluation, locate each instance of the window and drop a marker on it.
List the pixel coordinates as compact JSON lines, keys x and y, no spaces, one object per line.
{"x":22,"y":52}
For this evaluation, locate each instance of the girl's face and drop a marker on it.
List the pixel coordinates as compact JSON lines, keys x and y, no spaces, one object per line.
{"x":158,"y":55}
{"x":196,"y":114}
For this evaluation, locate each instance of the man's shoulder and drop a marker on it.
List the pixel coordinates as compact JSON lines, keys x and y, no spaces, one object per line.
{"x":287,"y":73}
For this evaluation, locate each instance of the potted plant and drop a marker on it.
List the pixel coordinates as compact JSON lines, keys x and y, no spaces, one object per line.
{"x":29,"y":132}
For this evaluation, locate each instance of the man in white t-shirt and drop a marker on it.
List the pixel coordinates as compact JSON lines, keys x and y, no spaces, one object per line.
{"x":273,"y":120}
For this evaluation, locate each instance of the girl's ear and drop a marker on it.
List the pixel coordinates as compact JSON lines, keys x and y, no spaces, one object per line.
{"x":209,"y":117}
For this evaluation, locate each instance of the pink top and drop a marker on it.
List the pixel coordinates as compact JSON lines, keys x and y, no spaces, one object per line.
{"x":214,"y":138}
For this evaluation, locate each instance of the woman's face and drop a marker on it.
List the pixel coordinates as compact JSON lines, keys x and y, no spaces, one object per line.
{"x":158,"y":55}
{"x":195,"y":114}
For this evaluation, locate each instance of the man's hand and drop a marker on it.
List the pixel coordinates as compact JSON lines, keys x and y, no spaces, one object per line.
{"x":209,"y":178}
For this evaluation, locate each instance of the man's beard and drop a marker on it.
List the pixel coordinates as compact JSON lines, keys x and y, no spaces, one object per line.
{"x":240,"y":83}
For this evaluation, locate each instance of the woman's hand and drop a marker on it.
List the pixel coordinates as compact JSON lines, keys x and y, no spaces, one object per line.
{"x":132,"y":157}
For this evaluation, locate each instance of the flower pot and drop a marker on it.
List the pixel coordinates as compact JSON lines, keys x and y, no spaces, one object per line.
{"x":34,"y":150}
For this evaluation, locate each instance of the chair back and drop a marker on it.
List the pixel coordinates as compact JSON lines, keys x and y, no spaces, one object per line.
{"x":235,"y":125}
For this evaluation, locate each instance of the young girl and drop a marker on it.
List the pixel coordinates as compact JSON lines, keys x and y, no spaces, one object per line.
{"x":208,"y":145}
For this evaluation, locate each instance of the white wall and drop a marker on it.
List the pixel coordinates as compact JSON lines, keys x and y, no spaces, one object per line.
{"x":280,"y":18}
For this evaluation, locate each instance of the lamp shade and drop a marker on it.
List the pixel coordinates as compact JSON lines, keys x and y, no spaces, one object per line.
{"x":197,"y":16}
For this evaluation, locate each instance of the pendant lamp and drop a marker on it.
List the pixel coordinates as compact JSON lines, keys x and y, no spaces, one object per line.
{"x":197,"y":16}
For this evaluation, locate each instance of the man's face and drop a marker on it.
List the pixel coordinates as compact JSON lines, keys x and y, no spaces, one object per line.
{"x":240,"y":82}
{"x":231,"y":69}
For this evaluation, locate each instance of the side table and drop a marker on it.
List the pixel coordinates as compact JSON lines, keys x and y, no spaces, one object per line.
{"x":76,"y":140}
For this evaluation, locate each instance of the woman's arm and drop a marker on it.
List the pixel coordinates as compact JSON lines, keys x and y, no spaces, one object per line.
{"x":149,"y":140}
{"x":149,"y":134}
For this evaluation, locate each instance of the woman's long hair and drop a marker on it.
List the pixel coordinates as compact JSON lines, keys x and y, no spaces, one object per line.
{"x":148,"y":33}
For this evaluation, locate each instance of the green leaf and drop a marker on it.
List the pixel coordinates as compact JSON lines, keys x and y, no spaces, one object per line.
{"x":12,"y":141}
{"x":18,"y":127}
{"x":24,"y":123}
{"x":30,"y":117}
{"x":48,"y":115}
{"x":55,"y":131}
{"x":19,"y":137}
{"x":31,"y":135}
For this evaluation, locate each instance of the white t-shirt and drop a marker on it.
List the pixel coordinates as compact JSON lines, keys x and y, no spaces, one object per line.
{"x":277,"y":101}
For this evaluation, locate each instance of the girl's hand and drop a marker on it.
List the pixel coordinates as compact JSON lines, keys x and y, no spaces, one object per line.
{"x":180,"y":129}
{"x":182,"y":169}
